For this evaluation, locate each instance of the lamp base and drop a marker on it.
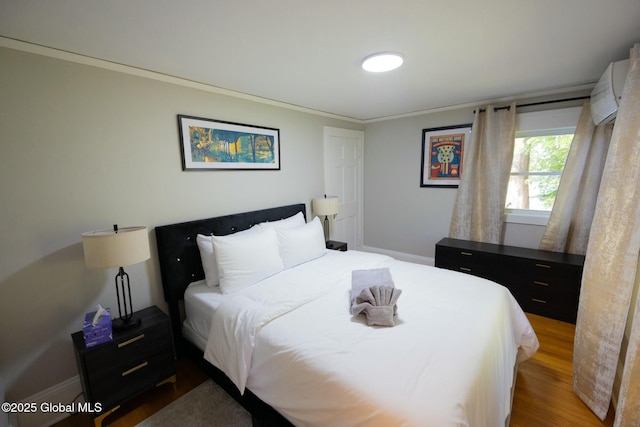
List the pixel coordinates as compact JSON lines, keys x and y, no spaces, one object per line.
{"x":326,"y":228}
{"x":122,"y":324}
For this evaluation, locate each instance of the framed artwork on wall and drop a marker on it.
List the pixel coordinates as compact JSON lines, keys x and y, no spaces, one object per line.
{"x":442,"y":155}
{"x":217,"y":145}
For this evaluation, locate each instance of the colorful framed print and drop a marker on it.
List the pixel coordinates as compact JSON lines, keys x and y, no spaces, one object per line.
{"x":213,"y":145}
{"x":442,"y":154}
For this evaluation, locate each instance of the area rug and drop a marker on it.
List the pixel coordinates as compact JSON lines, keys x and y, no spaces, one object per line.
{"x":205,"y":405}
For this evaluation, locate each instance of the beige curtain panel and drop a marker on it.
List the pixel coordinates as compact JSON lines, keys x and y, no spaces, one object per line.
{"x":610,"y":271}
{"x":478,"y":213}
{"x":570,"y":220}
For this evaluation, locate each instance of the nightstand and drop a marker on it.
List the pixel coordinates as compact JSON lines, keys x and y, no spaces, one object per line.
{"x":336,"y":246}
{"x":137,"y":360}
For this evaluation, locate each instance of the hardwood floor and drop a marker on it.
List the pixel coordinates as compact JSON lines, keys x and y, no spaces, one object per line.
{"x":543,"y":396}
{"x":544,"y":392}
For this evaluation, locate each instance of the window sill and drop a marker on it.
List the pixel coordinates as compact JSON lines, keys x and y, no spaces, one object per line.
{"x":529,"y":217}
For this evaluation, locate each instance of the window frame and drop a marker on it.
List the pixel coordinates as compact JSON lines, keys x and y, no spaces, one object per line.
{"x":541,"y":123}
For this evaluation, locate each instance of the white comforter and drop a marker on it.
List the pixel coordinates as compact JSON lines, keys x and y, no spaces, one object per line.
{"x":449,"y":361}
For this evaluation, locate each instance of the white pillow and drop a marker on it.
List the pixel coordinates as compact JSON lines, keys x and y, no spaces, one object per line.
{"x":243,"y":259}
{"x":205,"y":245}
{"x":208,"y":257}
{"x":301,"y":244}
{"x":293,"y":221}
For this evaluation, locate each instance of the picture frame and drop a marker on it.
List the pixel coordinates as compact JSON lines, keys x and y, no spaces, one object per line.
{"x":208,"y":144}
{"x":442,"y":155}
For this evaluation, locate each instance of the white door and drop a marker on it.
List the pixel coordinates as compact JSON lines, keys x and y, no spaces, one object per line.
{"x":343,"y":164}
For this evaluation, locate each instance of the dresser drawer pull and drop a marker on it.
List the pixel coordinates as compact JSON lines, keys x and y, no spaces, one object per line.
{"x":131,"y":341}
{"x":538,"y":300}
{"x":540,"y":283}
{"x":135,"y":368}
{"x":543,"y":265}
{"x":465,"y":269}
{"x":466,"y":253}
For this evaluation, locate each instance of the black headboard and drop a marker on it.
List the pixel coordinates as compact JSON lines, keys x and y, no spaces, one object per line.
{"x":179,"y":256}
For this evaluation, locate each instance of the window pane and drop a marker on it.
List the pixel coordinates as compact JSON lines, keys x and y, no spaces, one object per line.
{"x":538,"y":162}
{"x":536,"y":192}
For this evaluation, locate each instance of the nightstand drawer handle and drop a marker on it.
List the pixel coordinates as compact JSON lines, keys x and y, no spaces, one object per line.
{"x":131,"y":341}
{"x":466,"y":253}
{"x":540,"y":283}
{"x":538,"y":300}
{"x":543,"y":265}
{"x":465,"y":269}
{"x":135,"y":368}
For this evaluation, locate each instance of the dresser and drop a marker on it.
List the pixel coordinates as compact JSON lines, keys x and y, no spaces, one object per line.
{"x":543,"y":282}
{"x":137,"y":360}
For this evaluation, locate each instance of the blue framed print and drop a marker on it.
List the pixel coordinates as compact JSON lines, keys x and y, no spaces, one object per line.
{"x":214,"y":145}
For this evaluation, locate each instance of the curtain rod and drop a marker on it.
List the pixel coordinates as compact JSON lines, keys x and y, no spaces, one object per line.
{"x":578,"y":98}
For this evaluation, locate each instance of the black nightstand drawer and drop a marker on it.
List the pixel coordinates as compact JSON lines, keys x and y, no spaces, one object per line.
{"x":123,"y":361}
{"x":133,"y":378}
{"x":143,"y":345}
{"x":336,"y":246}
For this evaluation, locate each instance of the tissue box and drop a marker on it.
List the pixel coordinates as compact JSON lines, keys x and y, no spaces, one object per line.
{"x":98,"y":333}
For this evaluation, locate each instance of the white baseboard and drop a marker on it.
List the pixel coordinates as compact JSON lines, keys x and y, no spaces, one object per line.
{"x":64,"y":393}
{"x":402,"y":256}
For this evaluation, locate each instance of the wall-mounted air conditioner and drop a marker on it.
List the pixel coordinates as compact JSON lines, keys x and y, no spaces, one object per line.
{"x":606,"y":94}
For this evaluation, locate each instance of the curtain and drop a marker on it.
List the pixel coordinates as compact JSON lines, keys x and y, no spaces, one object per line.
{"x":610,"y":269}
{"x":478,"y":213}
{"x":570,"y":220}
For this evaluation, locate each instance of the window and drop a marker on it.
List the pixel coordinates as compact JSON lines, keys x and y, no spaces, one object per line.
{"x":541,"y":147}
{"x":537,"y":165}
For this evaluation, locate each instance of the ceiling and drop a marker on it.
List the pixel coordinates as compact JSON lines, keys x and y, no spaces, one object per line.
{"x":308,"y":53}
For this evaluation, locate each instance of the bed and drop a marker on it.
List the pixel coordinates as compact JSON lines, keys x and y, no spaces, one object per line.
{"x":286,"y":346}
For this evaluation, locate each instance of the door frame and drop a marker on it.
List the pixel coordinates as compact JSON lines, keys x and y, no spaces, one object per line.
{"x":330,"y":131}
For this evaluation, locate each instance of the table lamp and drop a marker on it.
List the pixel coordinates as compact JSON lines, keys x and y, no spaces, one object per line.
{"x":325,"y":206}
{"x":118,"y":248}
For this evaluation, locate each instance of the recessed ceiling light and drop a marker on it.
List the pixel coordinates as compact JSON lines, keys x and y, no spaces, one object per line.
{"x":380,"y":62}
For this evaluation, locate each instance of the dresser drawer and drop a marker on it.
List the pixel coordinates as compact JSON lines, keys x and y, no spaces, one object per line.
{"x":544,"y":276}
{"x":468,"y":261}
{"x":549,"y":272}
{"x":564,"y":309}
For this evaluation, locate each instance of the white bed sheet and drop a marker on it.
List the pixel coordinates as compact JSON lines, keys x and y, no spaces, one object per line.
{"x":200,"y":302}
{"x":448,"y":361}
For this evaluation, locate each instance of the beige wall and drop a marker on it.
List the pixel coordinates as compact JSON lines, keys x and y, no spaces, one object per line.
{"x":83,"y":148}
{"x":392,"y":189}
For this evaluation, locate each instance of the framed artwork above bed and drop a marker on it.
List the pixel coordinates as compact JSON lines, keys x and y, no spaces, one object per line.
{"x":217,"y":145}
{"x":442,"y":155}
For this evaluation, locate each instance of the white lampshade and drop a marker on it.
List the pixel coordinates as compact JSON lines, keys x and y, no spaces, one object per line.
{"x":106,"y":248}
{"x":324,"y":206}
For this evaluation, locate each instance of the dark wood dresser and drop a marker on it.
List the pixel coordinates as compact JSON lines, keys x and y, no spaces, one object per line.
{"x":137,"y":360}
{"x":543,"y":282}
